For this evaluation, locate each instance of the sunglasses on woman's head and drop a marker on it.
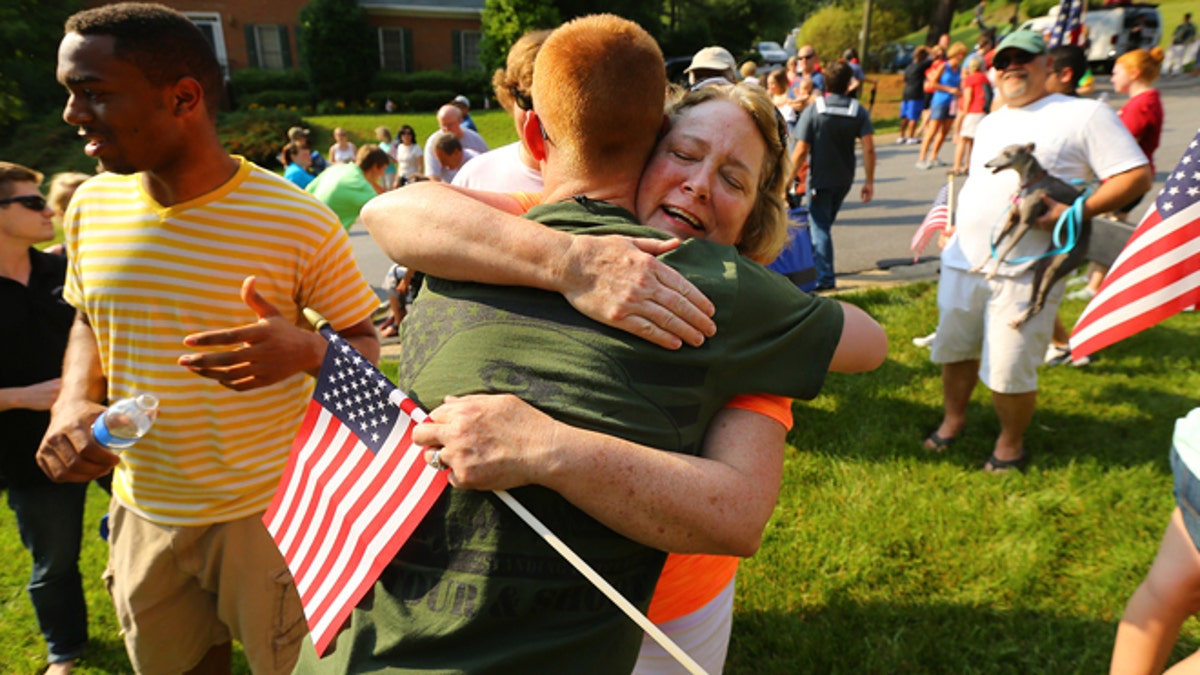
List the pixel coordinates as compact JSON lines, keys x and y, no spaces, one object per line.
{"x":1019,"y":57}
{"x":31,"y":202}
{"x":524,"y":101}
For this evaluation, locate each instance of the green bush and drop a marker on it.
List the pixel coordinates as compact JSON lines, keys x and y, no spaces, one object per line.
{"x":257,"y":135}
{"x":48,"y":144}
{"x":250,"y":81}
{"x":1035,"y":8}
{"x":473,"y":83}
{"x":273,"y":98}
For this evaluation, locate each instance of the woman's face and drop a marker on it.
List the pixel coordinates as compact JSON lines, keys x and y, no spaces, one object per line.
{"x":1122,"y":78}
{"x":406,"y":137}
{"x":702,"y":180}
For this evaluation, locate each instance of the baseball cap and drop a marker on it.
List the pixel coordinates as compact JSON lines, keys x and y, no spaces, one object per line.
{"x":463,"y":100}
{"x":1025,"y":40}
{"x":297,"y":131}
{"x":712,"y":58}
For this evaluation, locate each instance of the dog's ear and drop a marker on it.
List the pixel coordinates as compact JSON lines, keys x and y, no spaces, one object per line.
{"x":1029,"y":148}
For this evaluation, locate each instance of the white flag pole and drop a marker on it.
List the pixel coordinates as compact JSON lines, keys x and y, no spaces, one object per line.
{"x":600,"y":582}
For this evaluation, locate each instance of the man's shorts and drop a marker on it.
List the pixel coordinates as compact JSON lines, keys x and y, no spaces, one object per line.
{"x":911,"y":109}
{"x":940,"y":111}
{"x":969,"y":124}
{"x":180,"y":590}
{"x":973,"y":318}
{"x":1187,"y":496}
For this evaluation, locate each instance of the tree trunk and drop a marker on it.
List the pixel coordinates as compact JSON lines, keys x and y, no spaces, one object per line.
{"x":943,"y":14}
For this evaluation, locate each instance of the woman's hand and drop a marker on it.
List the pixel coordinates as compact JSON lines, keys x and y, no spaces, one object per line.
{"x":619,"y":282}
{"x":489,"y":441}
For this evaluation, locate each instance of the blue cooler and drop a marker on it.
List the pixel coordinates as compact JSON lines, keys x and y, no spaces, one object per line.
{"x":796,"y":260}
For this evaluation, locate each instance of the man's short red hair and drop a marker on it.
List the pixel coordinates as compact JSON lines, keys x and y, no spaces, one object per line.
{"x":598,"y":86}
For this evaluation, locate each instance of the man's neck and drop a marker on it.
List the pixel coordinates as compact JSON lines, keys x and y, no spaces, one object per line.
{"x":14,"y":261}
{"x":188,"y":180}
{"x":619,"y":193}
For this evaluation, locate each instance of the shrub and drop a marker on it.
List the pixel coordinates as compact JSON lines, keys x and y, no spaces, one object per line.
{"x":1035,"y":8}
{"x":257,"y":135}
{"x":46,"y":143}
{"x":249,"y":81}
{"x":273,"y":98}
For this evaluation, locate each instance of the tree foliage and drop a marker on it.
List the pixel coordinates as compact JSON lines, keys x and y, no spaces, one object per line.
{"x":833,"y":29}
{"x":505,"y":21}
{"x":30,"y":31}
{"x":338,"y":50}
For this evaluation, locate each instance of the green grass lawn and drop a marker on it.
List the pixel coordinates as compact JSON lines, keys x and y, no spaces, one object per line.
{"x":884,"y":558}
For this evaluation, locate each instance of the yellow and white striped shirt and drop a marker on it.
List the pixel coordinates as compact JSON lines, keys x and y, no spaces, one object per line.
{"x":146,"y":276}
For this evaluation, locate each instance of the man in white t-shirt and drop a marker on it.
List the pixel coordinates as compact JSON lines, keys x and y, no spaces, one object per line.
{"x":1075,"y":139}
{"x":449,"y":120}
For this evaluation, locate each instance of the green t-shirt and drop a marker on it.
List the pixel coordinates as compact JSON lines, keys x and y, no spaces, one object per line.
{"x":343,"y":188}
{"x":475,"y":589}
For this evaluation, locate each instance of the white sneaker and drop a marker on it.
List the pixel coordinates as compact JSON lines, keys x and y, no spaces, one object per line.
{"x":924,"y":340}
{"x":1076,"y":280}
{"x":1056,"y":355}
{"x":1084,"y":293}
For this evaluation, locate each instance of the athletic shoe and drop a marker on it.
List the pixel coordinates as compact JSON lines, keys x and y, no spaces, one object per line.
{"x":1056,"y":355}
{"x":935,"y":162}
{"x":1076,"y":280}
{"x":923,"y":165}
{"x":924,"y":340}
{"x":901,"y":141}
{"x":913,"y":141}
{"x":1084,"y":293}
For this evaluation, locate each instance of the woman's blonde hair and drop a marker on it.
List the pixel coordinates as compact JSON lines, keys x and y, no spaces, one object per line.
{"x":1148,"y":63}
{"x":62,"y":188}
{"x":765,"y":231}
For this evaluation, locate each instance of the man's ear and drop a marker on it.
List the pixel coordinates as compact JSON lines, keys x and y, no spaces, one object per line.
{"x":187,"y":97}
{"x":533,"y":136}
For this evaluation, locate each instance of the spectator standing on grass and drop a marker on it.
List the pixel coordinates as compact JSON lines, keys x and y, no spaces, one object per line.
{"x":829,"y":129}
{"x":299,"y":136}
{"x":1181,"y":39}
{"x":296,"y":161}
{"x":912,"y":102}
{"x":346,"y":188}
{"x":156,"y":288}
{"x":464,"y":106}
{"x":449,"y":119}
{"x":49,"y":515}
{"x":407,"y":154}
{"x":342,"y":151}
{"x":510,"y":168}
{"x":1073,"y":139}
{"x":384,"y":136}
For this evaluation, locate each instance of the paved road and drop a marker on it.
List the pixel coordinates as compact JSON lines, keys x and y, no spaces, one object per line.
{"x":866,"y":235}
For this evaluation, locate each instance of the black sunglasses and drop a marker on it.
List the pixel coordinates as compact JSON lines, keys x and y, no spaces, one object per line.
{"x":804,"y":57}
{"x":31,"y":202}
{"x":1019,"y":57}
{"x":524,"y":101}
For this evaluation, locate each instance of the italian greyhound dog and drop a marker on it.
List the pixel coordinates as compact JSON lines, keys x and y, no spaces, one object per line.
{"x":1028,"y":206}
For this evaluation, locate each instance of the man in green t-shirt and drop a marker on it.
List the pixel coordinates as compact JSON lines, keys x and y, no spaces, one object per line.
{"x":346,"y":188}
{"x":475,"y":589}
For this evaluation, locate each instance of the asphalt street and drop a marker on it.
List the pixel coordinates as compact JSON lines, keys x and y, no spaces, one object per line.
{"x":870,"y":239}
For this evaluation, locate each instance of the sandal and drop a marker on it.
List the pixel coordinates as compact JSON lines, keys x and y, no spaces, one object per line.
{"x":997,"y":465}
{"x":935,"y":443}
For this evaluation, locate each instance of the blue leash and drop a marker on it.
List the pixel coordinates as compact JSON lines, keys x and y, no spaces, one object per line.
{"x":1065,"y":234}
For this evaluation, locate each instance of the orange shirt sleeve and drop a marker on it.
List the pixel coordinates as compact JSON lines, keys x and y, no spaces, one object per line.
{"x":778,"y":408}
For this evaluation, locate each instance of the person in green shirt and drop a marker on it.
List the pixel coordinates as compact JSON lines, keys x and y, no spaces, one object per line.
{"x":346,"y":188}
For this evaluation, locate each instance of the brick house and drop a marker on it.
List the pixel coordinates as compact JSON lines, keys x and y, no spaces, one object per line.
{"x":412,"y":34}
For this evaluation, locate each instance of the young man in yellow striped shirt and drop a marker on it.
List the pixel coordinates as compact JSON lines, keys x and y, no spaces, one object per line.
{"x":161,"y":247}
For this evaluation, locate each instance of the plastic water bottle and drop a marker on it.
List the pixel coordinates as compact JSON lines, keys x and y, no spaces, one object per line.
{"x":125,"y":421}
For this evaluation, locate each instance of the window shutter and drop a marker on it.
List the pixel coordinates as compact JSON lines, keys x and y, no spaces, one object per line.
{"x":252,"y":47}
{"x":299,"y":44}
{"x":456,"y":41}
{"x":285,"y":46}
{"x":409,"y":66}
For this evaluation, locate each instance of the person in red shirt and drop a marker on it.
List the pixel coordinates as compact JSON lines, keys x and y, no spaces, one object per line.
{"x":971,"y":104}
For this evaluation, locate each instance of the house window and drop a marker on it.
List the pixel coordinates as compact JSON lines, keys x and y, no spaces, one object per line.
{"x":468,"y":49}
{"x":210,"y":25}
{"x":392,"y":49}
{"x":268,"y":46}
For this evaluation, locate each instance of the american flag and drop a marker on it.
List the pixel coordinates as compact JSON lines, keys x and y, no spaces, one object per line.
{"x":1157,"y":274}
{"x":937,"y":219}
{"x":354,"y":488}
{"x":1068,"y":27}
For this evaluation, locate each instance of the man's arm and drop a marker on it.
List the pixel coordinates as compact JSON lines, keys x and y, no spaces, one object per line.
{"x":38,"y":396}
{"x":1115,"y":192}
{"x":614,"y":280}
{"x":268,"y":350}
{"x":800,"y":155}
{"x":69,"y":453}
{"x":863,"y":344}
{"x":493,"y":442}
{"x":868,"y":152}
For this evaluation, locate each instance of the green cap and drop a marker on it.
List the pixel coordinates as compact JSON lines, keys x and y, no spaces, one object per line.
{"x":1025,"y":40}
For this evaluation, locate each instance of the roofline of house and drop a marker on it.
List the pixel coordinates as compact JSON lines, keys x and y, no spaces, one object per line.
{"x":388,"y":9}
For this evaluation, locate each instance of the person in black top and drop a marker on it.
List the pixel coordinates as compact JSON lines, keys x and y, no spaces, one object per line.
{"x":912,"y":101}
{"x":37,"y":321}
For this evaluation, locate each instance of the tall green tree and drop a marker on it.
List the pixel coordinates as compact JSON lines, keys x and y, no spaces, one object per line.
{"x":30,"y":31}
{"x":504,"y":21}
{"x":338,"y":51}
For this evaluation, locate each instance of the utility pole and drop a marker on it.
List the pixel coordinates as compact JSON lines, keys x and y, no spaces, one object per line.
{"x":864,"y":37}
